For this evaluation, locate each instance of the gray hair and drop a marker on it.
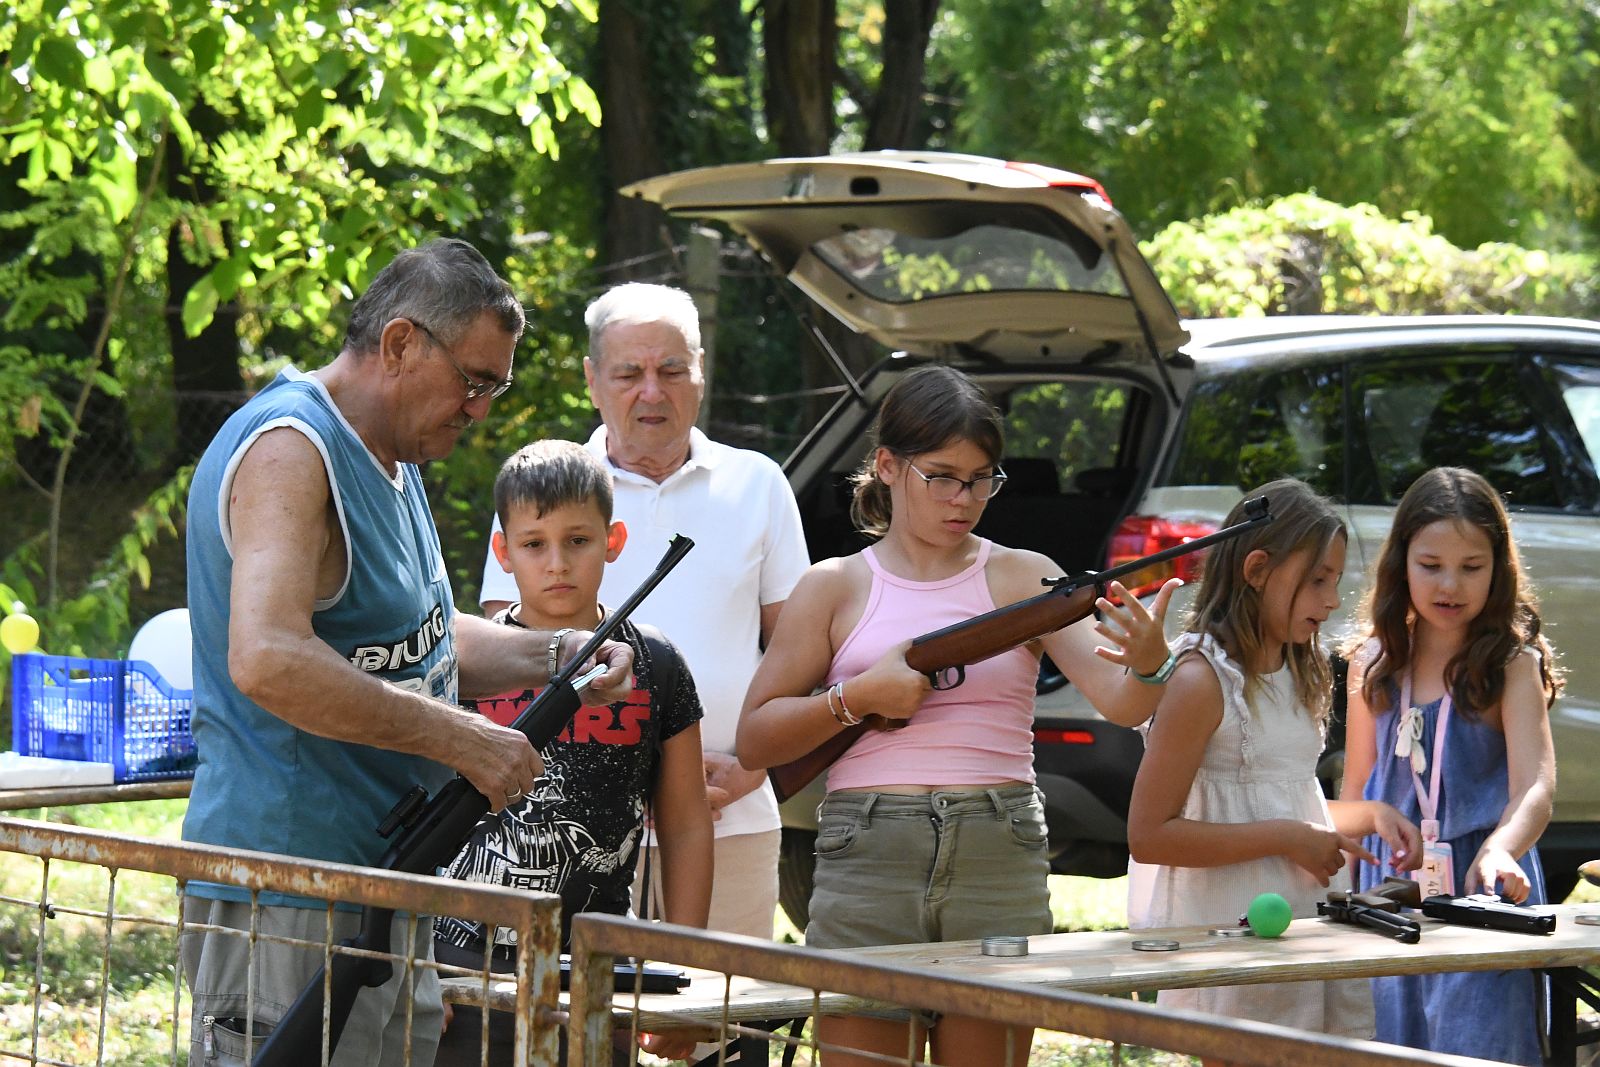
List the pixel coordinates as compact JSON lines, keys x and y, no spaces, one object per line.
{"x":443,"y":285}
{"x":638,"y":303}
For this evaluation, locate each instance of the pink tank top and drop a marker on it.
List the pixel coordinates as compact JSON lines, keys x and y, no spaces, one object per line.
{"x":980,"y":733}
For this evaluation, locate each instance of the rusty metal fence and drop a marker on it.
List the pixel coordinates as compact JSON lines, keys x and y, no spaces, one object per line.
{"x":73,"y":901}
{"x":62,"y":886}
{"x":831,"y":983}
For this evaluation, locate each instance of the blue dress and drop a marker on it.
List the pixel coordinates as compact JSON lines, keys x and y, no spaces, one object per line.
{"x":1490,"y":1014}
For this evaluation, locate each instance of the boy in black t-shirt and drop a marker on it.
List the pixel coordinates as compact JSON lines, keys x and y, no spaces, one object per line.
{"x":577,"y":833}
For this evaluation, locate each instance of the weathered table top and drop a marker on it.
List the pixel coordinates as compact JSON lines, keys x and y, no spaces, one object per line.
{"x":1106,"y":962}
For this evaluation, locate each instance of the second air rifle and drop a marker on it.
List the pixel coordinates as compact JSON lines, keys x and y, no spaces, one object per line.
{"x":943,"y":655}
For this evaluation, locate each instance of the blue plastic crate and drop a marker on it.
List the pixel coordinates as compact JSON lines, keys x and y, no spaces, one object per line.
{"x":115,"y":711}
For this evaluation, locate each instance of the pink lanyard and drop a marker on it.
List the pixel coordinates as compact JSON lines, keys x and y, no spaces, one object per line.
{"x":1429,"y":800}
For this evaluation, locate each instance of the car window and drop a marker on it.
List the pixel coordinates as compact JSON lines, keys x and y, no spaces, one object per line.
{"x":1247,"y":427}
{"x":1580,"y":388}
{"x":1006,"y":250}
{"x":1074,"y":425}
{"x":1065,"y":487}
{"x":1474,"y":413}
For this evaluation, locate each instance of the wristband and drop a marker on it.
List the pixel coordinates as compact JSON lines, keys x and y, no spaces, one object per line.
{"x":1161,"y":673}
{"x":553,"y":655}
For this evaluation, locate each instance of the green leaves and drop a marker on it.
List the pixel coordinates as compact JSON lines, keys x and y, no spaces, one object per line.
{"x":1306,"y":255}
{"x":199,"y":305}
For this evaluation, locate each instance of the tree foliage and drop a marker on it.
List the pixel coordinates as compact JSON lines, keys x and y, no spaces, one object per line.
{"x":1187,"y":108}
{"x":287,"y":149}
{"x":1308,"y":256}
{"x":249,"y":164}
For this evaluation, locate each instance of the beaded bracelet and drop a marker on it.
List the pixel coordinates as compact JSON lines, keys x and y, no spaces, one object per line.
{"x":846,"y":718}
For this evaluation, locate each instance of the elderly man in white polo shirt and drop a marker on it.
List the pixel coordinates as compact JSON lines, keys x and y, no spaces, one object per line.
{"x":720,"y":604}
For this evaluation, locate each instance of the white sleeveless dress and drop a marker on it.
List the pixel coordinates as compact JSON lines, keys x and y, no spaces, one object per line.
{"x":1260,"y":764}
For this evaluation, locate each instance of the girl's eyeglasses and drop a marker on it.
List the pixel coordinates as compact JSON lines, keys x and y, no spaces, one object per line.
{"x":946,"y":487}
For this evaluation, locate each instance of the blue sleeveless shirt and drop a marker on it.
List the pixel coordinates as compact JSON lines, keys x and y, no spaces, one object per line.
{"x":262,"y":783}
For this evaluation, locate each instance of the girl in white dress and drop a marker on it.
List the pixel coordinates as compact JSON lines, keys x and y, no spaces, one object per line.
{"x":1226,"y":805}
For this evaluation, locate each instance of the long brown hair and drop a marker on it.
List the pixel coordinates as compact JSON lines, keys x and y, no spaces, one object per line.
{"x":929,"y":408}
{"x":1229,"y":607}
{"x":1508,"y":623}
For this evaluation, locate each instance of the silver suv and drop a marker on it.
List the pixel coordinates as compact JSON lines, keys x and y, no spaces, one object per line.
{"x":1129,"y":430}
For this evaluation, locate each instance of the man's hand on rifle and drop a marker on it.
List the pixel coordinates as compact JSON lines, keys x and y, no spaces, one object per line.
{"x":616,"y":683}
{"x":501,"y":763}
{"x":1138,"y":632}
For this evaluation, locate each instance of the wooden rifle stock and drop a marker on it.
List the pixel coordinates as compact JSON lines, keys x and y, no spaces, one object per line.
{"x":944,"y":654}
{"x":430,"y":834}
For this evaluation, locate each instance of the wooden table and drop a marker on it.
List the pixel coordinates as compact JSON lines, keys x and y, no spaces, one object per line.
{"x":1106,"y":962}
{"x":66,"y":796}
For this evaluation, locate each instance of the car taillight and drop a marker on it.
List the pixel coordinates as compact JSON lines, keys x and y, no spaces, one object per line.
{"x":1063,"y":737}
{"x":1144,"y":535}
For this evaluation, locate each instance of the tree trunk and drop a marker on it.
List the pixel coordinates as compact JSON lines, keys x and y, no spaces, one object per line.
{"x":632,"y":231}
{"x":896,"y":111}
{"x":801,"y":39}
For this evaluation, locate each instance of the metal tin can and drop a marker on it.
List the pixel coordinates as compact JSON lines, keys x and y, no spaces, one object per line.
{"x":1004,"y":946}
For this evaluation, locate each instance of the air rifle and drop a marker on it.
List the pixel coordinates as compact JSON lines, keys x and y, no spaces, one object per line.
{"x":431,"y":833}
{"x":943,"y":655}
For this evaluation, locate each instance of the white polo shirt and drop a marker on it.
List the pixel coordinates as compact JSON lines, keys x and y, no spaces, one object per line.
{"x":749,"y":550}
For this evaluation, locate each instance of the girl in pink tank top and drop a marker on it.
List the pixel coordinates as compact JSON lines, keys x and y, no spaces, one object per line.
{"x":932,"y":830}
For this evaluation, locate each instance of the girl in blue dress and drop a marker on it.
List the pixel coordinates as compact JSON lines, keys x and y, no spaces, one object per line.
{"x":1449,"y":722}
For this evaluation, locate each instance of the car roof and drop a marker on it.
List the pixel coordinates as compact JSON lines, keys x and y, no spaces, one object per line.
{"x":1221,"y":339}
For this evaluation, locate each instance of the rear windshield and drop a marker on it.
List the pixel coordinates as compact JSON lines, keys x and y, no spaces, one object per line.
{"x":1020,"y":249}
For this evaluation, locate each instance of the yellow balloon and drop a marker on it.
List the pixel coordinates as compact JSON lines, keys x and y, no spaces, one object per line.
{"x":19,"y":633}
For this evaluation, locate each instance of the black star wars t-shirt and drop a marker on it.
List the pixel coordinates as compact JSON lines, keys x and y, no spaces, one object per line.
{"x":577,"y":832}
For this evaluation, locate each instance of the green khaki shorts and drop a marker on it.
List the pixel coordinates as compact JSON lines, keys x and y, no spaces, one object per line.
{"x":951,"y":866}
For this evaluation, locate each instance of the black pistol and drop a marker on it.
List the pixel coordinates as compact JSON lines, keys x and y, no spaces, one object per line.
{"x":1490,"y":912}
{"x":652,"y":978}
{"x":1372,"y":911}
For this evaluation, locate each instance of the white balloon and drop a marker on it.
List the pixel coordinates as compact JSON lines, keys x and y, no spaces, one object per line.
{"x":166,"y":644}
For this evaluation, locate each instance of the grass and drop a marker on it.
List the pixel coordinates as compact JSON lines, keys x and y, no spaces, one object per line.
{"x":80,"y":969}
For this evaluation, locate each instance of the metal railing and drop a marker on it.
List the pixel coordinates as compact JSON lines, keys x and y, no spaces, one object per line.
{"x":835,"y":983}
{"x":49,"y":903}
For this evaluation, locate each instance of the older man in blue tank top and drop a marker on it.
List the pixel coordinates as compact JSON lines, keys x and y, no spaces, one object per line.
{"x":328,"y":654}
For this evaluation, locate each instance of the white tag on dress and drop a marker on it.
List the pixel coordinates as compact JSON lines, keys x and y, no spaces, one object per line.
{"x":1437,"y":874}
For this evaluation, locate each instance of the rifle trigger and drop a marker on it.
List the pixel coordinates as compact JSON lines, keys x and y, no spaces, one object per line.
{"x":404,"y":811}
{"x":942,"y":679}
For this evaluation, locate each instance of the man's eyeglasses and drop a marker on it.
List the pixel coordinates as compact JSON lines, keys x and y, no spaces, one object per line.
{"x":475,"y":389}
{"x":946,"y":487}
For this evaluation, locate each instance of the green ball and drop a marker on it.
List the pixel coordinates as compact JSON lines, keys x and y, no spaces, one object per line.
{"x":1269,"y":915}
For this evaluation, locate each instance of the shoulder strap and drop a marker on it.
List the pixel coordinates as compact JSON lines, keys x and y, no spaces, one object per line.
{"x":666,"y":666}
{"x":665,"y":662}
